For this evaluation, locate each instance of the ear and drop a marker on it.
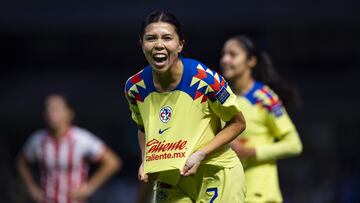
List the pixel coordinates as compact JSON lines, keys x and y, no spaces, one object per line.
{"x":252,"y":61}
{"x":72,"y":115}
{"x":181,"y":46}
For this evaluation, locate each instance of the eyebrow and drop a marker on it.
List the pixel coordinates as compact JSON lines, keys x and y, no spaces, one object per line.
{"x":152,"y":34}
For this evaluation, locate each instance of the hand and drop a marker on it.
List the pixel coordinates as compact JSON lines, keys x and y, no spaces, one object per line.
{"x":83,"y":192}
{"x":193,"y":163}
{"x":241,"y":150}
{"x":36,"y":194}
{"x":141,"y":175}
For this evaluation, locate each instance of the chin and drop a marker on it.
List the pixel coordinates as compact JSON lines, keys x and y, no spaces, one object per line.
{"x":228,"y":75}
{"x":160,"y":69}
{"x":53,"y":126}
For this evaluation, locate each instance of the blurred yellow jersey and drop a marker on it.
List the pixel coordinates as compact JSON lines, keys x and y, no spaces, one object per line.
{"x":271,"y":132}
{"x":181,"y":121}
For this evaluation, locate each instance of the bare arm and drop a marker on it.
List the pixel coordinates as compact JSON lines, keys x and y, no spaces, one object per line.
{"x":145,"y":185}
{"x":141,"y":140}
{"x":24,"y":170}
{"x":232,"y":129}
{"x":109,"y":164}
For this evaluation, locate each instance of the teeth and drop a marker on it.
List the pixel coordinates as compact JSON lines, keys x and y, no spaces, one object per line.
{"x":160,"y":55}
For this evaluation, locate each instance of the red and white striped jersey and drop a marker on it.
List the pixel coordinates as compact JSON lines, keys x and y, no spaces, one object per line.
{"x":63,"y":162}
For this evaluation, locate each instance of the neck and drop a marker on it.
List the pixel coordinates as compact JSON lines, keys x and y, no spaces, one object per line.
{"x":168,"y":80}
{"x":243,"y":83}
{"x":60,"y":131}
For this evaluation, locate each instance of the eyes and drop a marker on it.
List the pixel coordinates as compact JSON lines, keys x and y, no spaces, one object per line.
{"x":230,"y":53}
{"x":153,"y":38}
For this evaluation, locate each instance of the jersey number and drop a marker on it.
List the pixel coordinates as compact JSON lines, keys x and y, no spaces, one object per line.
{"x":215,"y":191}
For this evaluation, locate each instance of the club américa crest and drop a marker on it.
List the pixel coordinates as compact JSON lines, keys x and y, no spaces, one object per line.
{"x":165,"y":114}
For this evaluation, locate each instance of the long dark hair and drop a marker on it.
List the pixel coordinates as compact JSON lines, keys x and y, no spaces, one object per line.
{"x":162,"y":16}
{"x":265,"y":72}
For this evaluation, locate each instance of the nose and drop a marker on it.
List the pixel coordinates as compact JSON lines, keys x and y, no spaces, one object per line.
{"x":159,"y":45}
{"x":225,"y":59}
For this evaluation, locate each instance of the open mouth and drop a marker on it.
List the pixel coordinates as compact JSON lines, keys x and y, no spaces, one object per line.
{"x":160,"y":58}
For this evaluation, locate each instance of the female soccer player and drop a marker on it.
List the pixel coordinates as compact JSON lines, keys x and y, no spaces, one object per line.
{"x":178,"y":104}
{"x":63,"y":152}
{"x":270,"y":134}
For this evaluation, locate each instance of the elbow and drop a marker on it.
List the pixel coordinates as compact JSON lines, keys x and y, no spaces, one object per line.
{"x":295,"y":145}
{"x":112,"y":161}
{"x":240,"y":123}
{"x":116,"y":164}
{"x":298,"y":149}
{"x":242,"y":127}
{"x":20,"y":162}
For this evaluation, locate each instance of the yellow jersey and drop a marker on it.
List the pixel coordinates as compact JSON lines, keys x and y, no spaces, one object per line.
{"x":179,"y":122}
{"x":271,"y":132}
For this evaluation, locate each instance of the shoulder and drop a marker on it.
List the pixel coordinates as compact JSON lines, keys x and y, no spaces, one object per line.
{"x":84,"y":136}
{"x":81,"y":133}
{"x":135,"y":79}
{"x":138,"y":86}
{"x":191,"y":63}
{"x":199,"y":71}
{"x":263,"y":95}
{"x":85,"y":140}
{"x":203,"y":81}
{"x":36,"y":137}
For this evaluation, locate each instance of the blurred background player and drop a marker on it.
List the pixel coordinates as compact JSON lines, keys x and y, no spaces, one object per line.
{"x":178,"y":104}
{"x":270,"y":134}
{"x":63,"y":151}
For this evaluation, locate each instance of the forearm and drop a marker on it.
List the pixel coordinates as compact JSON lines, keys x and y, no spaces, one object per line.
{"x":99,"y":178}
{"x":25,"y":172}
{"x":231,"y":130}
{"x":141,"y":140}
{"x":289,"y":145}
{"x":110,"y":163}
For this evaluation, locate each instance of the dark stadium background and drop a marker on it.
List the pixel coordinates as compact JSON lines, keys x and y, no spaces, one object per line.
{"x":87,"y":49}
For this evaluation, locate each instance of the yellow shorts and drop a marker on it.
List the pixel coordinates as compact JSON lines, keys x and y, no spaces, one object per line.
{"x":210,"y":184}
